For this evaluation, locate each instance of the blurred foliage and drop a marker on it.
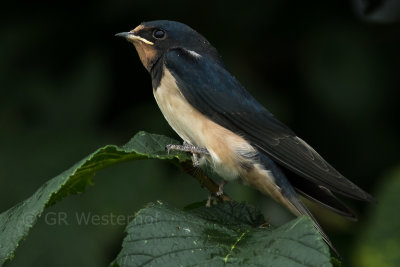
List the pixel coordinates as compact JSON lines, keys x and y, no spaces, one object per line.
{"x":16,"y":222}
{"x":67,"y":87}
{"x":379,"y":244}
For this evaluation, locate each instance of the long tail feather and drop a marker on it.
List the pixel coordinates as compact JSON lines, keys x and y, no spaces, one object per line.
{"x":292,"y":197}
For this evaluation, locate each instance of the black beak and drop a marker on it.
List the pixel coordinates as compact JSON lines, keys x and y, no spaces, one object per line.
{"x":131,"y":37}
{"x":123,"y":34}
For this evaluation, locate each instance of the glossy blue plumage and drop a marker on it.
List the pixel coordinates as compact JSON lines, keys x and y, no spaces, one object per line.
{"x":212,"y":90}
{"x":198,"y":84}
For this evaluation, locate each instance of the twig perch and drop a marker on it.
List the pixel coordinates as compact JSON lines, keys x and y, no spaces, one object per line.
{"x":204,"y":180}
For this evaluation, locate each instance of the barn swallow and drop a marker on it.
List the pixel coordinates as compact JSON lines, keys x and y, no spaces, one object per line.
{"x":224,"y":126}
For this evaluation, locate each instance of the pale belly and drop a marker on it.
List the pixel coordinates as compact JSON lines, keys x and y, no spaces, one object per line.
{"x":225,"y":147}
{"x":195,"y":128}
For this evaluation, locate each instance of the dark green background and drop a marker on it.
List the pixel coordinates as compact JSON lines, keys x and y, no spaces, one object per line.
{"x":68,"y":86}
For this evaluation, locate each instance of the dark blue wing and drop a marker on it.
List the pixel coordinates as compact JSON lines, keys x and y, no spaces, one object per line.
{"x":212,"y":90}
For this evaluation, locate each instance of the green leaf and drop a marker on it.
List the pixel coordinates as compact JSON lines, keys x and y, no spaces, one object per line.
{"x":380,"y":243}
{"x":336,"y":262}
{"x":16,"y":222}
{"x":225,"y":234}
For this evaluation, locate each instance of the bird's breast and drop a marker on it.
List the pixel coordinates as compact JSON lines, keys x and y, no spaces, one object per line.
{"x":182,"y":117}
{"x":226,"y":148}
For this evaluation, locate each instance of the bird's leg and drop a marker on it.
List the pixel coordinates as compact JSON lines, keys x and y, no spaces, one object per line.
{"x":208,"y":203}
{"x":220,"y":191}
{"x":211,"y":197}
{"x":186,"y":147}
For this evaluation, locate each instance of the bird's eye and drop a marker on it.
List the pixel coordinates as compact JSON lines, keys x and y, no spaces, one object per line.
{"x":158,"y":34}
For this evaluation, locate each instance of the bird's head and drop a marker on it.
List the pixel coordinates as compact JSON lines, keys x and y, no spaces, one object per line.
{"x":154,"y":38}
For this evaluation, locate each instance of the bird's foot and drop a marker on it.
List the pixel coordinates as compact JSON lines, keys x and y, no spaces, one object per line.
{"x":220,"y":191}
{"x":195,"y":160}
{"x":212,"y":198}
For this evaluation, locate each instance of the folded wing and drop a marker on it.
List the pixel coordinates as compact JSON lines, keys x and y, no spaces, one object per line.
{"x":213,"y":91}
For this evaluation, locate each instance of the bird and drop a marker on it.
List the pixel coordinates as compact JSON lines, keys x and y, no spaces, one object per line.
{"x":224,"y":126}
